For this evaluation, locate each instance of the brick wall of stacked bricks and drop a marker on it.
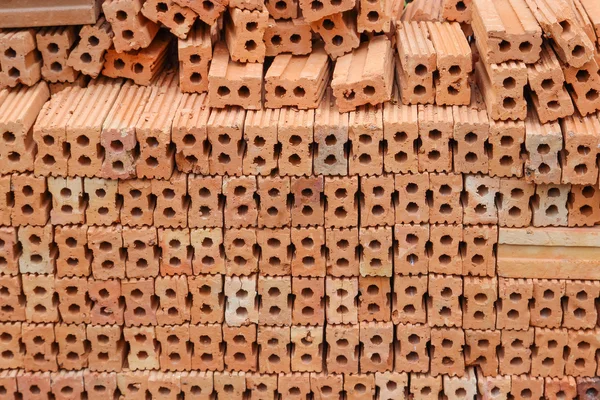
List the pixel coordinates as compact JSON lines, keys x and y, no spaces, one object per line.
{"x":302,"y":199}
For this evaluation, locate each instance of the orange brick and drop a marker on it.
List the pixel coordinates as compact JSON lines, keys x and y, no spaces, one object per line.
{"x":480,"y":350}
{"x":408,"y":302}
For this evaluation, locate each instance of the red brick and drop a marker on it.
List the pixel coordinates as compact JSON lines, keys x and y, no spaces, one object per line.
{"x":276,"y":254}
{"x":189,"y":132}
{"x":34,"y":385}
{"x":273,"y":208}
{"x":175,"y":351}
{"x":165,"y":385}
{"x":74,"y":258}
{"x":446,"y":353}
{"x":515,"y":352}
{"x":274,"y":354}
{"x":480,"y":350}
{"x":377,"y":354}
{"x":133,"y":384}
{"x":408,"y":302}
{"x":174,"y":306}
{"x":546,"y":309}
{"x":207,"y":344}
{"x":343,"y":348}
{"x":106,"y":244}
{"x":308,"y":348}
{"x":207,"y":298}
{"x":377,"y":251}
{"x":260,"y":135}
{"x":374,"y":299}
{"x":8,"y":384}
{"x":209,"y":257}
{"x":526,"y":386}
{"x":342,"y":300}
{"x":140,"y":301}
{"x":337,"y":29}
{"x":11,"y":351}
{"x":206,"y":207}
{"x":107,"y":305}
{"x":308,"y":205}
{"x":479,"y":255}
{"x":582,"y":207}
{"x":30,"y":193}
{"x":443,"y":305}
{"x":579,"y":311}
{"x":176,"y":251}
{"x":142,"y":252}
{"x":262,"y":386}
{"x":241,"y":307}
{"x":412,"y":353}
{"x":412,"y":205}
{"x":41,"y":300}
{"x":241,"y":352}
{"x":73,"y":301}
{"x":241,"y":251}
{"x":445,"y":255}
{"x":171,"y":201}
{"x":37,"y":251}
{"x":400,"y":130}
{"x":342,"y":246}
{"x":138,"y":203}
{"x":330,"y":135}
{"x":392,"y":385}
{"x":428,"y":386}
{"x":326,"y":386}
{"x":582,"y":346}
{"x":132,"y":30}
{"x":341,"y":194}
{"x":480,"y":295}
{"x":40,"y":348}
{"x":12,"y":307}
{"x":544,"y":143}
{"x":446,"y":206}
{"x":513,"y":305}
{"x":366,"y":134}
{"x":505,"y":142}
{"x":241,"y":209}
{"x":230,"y":384}
{"x":309,"y":301}
{"x":359,"y":386}
{"x":197,"y":385}
{"x":513,"y":202}
{"x":555,"y":388}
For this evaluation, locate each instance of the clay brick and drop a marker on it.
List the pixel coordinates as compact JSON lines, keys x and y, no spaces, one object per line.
{"x":547,"y":357}
{"x":513,"y":203}
{"x":343,"y":348}
{"x":584,"y":85}
{"x":84,"y":129}
{"x":68,"y":201}
{"x":241,"y":351}
{"x":330,"y":136}
{"x":283,"y":9}
{"x":143,"y":348}
{"x":208,"y":11}
{"x":12,"y":306}
{"x":36,"y":385}
{"x":106,"y":245}
{"x":309,"y":251}
{"x":342,"y":300}
{"x":377,"y":354}
{"x":428,"y":386}
{"x":38,"y":252}
{"x":480,"y":295}
{"x":314,"y":10}
{"x":326,"y":386}
{"x":55,"y":43}
{"x":133,"y":384}
{"x":400,"y":131}
{"x":410,"y":253}
{"x":341,"y":194}
{"x":178,"y":19}
{"x":140,"y":301}
{"x":443,"y":304}
{"x":107,"y":304}
{"x":308,"y":205}
{"x":275,"y":301}
{"x":436,"y":129}
{"x":208,"y":346}
{"x":502,"y":88}
{"x":176,"y":351}
{"x":471,"y":133}
{"x":297,"y":80}
{"x":480,"y":350}
{"x":30,"y":193}
{"x":446,"y":352}
{"x":196,"y":384}
{"x":241,"y":251}
{"x":376,"y":200}
{"x":506,"y":30}
{"x":294,"y":385}
{"x":12,"y":352}
{"x":262,"y":386}
{"x":366,"y":136}
{"x":479,"y":199}
{"x":588,"y":387}
{"x":408,"y":301}
{"x":225,"y":135}
{"x":445,"y":255}
{"x":342,"y":246}
{"x":276,"y":251}
{"x":375,"y":16}
{"x":6,"y":200}
{"x":492,"y":387}
{"x":459,"y":11}
{"x":546,"y":309}
{"x":131,"y":29}
{"x":232,"y":384}
{"x":309,"y":300}
{"x":195,"y":54}
{"x":376,"y":243}
{"x":513,"y":305}
{"x":174,"y":306}
{"x":241,"y":209}
{"x":287,"y":35}
{"x":295,"y":133}
{"x":72,"y":348}
{"x":209,"y":253}
{"x":142,"y":252}
{"x":273,"y":210}
{"x":67,"y":385}
{"x":206,"y":206}
{"x":40,"y":347}
{"x":308,"y":348}
{"x":338,"y":31}
{"x":579,"y":311}
{"x":10,"y":249}
{"x":582,"y":346}
{"x":73,"y":302}
{"x":233,"y":83}
{"x":556,"y":388}
{"x":21,"y":62}
{"x":374,"y":299}
{"x":165,"y":385}
{"x":412,"y":205}
{"x":103,"y":202}
{"x":207,"y":298}
{"x":244,"y":30}
{"x":273,"y":344}
{"x":359,"y":386}
{"x":581,"y":206}
{"x":356,"y":82}
{"x":581,"y":141}
{"x":88,"y":54}
{"x":549,"y":205}
{"x":189,"y":134}
{"x":260,"y":135}
{"x":392,"y":385}
{"x":416,"y":63}
{"x":41,"y":299}
{"x":241,"y":307}
{"x":505,"y":142}
{"x":479,"y":252}
{"x":465,"y":386}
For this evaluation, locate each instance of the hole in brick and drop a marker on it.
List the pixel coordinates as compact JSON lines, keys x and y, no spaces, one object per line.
{"x":295,"y":38}
{"x":121,"y":15}
{"x":208,"y":5}
{"x":369,"y":90}
{"x":127,"y":34}
{"x":53,"y":48}
{"x":251,"y":26}
{"x":280,"y":91}
{"x":10,"y":53}
{"x":454,"y":70}
{"x":582,"y":75}
{"x":364,"y":158}
{"x":14,"y":73}
{"x":244,"y":92}
{"x":316,"y":5}
{"x":162,"y":7}
{"x":373,"y":16}
{"x":276,"y":40}
{"x":420,"y":70}
{"x":581,"y":169}
{"x":509,"y":83}
{"x":513,"y":314}
{"x":119,"y":64}
{"x":578,"y":51}
{"x":349,"y":95}
{"x":581,"y":295}
{"x":299,"y":92}
{"x":337,"y":40}
{"x":281,"y":5}
{"x":447,"y":361}
{"x":504,"y":46}
{"x":592,"y":95}
{"x":509,"y":103}
{"x":250,"y":45}
{"x":223,"y":91}
{"x":138,"y":68}
{"x":178,"y":18}
{"x":544,"y":168}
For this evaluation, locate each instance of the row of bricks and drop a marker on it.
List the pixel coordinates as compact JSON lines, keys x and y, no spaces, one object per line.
{"x":438,"y":300}
{"x":350,"y":348}
{"x":372,"y":140}
{"x":199,"y":385}
{"x":271,"y":202}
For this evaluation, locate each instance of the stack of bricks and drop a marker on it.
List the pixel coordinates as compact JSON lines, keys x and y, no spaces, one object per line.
{"x":309,"y":198}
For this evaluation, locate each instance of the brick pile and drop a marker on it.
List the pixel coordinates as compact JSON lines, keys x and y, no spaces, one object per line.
{"x":302,"y":198}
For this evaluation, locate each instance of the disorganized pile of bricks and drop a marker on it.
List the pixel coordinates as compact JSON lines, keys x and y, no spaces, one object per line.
{"x":323,"y":199}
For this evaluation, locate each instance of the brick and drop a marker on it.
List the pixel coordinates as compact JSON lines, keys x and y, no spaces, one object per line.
{"x":471,"y":133}
{"x":143,"y":348}
{"x":233,"y":83}
{"x":525,"y":386}
{"x":366,"y":134}
{"x":584,"y":85}
{"x":330,"y":135}
{"x":73,"y":302}
{"x":88,"y":54}
{"x":341,"y":194}
{"x":189,"y":133}
{"x":309,"y":251}
{"x":142,"y":251}
{"x":12,"y":307}
{"x":376,"y":243}
{"x":140,"y":302}
{"x":546,"y":309}
{"x":233,"y":383}
{"x":103,"y":203}
{"x":460,"y":11}
{"x":207,"y":347}
{"x":131,"y":29}
{"x":436,"y":125}
{"x":273,"y":210}
{"x":308,"y":348}
{"x":260,"y":135}
{"x":479,"y":256}
{"x":400,"y":130}
{"x":276,"y":251}
{"x":466,"y":385}
{"x":294,"y":385}
{"x":359,"y":386}
{"x":375,"y":17}
{"x":416,"y":63}
{"x":8,"y":382}
{"x":282,"y":9}
{"x":428,"y":386}
{"x":225,"y":135}
{"x":209,"y":255}
{"x":342,"y":245}
{"x":208,"y":12}
{"x":35,"y":384}
{"x":343,"y":348}
{"x":443,"y":307}
{"x":297,"y":80}
{"x":580,"y":143}
{"x":513,"y":204}
{"x":175,"y":354}
{"x":377,"y":354}
{"x":555,"y":388}
{"x":314,"y":10}
{"x":84,"y":129}
{"x":550,"y":205}
{"x":195,"y":54}
{"x":72,"y":350}
{"x":21,"y":62}
{"x":241,"y":353}
{"x":165,"y":385}
{"x":107,"y":305}
{"x":445,"y":255}
{"x":174,"y":307}
{"x":579,"y":311}
{"x":30,"y":193}
{"x":412,"y":205}
{"x":106,"y":245}
{"x":308,"y":205}
{"x":366,"y":84}
{"x":582,"y":346}
{"x":392,"y":385}
{"x":338,"y":31}
{"x":39,"y":345}
{"x":505,"y":141}
{"x":295,"y":133}
{"x":38,"y":253}
{"x":262,"y":385}
{"x":287,"y":35}
{"x":241,"y":209}
{"x":68,"y":202}
{"x":275,"y":301}
{"x":479,"y":199}
{"x":502,"y":88}
{"x":67,"y":384}
{"x":133,"y":384}
{"x":507,"y":30}
{"x":480,"y":350}
{"x":273,"y":354}
{"x":244,"y":30}
{"x":326,"y":386}
{"x":513,"y":307}
{"x":206,"y":201}
{"x":374,"y":299}
{"x":241,"y":307}
{"x":410,"y":255}
{"x":446,"y":353}
{"x":342,"y":300}
{"x":6,"y":200}
{"x":241,"y":251}
{"x":408,"y":302}
{"x":54,"y":44}
{"x":207,"y":298}
{"x":178,"y":19}
{"x":196,"y":384}
{"x":587,"y":387}
{"x":581,"y":206}
{"x":9,"y":251}
{"x":12,"y":352}
{"x":309,"y":301}
{"x":480,"y":295}
{"x":376,"y":200}
{"x":41,"y":300}
{"x":490,"y":386}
